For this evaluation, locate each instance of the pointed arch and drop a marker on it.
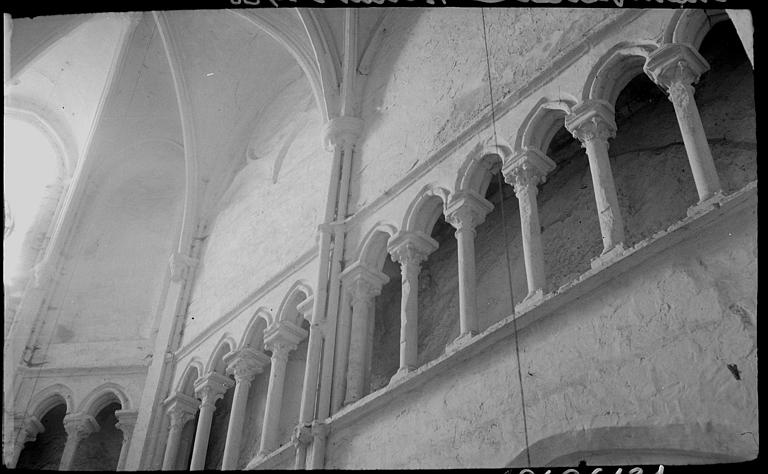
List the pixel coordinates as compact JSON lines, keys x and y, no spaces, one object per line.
{"x":253,"y":336}
{"x":50,"y":397}
{"x":102,"y":396}
{"x":373,"y":250}
{"x":216,"y":363}
{"x":690,"y":26}
{"x":192,"y":372}
{"x":476,"y":171}
{"x":288,"y":311}
{"x":543,"y":122}
{"x":615,"y":69}
{"x":425,"y":209}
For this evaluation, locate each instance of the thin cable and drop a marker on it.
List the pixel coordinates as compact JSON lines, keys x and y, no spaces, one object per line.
{"x":506,"y":249}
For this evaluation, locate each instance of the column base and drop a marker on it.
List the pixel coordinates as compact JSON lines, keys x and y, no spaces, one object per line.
{"x":401,"y":373}
{"x":530,"y":301}
{"x":705,"y":205}
{"x":608,"y":256}
{"x":460,"y":341}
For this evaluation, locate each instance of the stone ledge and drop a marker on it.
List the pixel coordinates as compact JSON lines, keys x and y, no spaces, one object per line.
{"x":549,"y":303}
{"x":273,"y":459}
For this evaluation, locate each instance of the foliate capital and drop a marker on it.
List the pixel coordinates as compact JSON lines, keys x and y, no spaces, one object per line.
{"x":80,"y":425}
{"x":411,"y":248}
{"x":283,"y":338}
{"x":180,"y":266}
{"x":245,"y":364}
{"x":126,"y":420}
{"x":363,"y":282}
{"x":342,"y":130}
{"x":675,"y":63}
{"x":466,"y":210}
{"x":211,"y":387}
{"x":527,"y":169}
{"x":30,"y":428}
{"x":591,"y":120}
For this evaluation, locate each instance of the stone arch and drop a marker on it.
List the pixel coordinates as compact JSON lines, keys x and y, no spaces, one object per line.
{"x":192,"y":372}
{"x":425,"y":209}
{"x":475,"y":173}
{"x":614,"y":70}
{"x":50,"y":397}
{"x":543,"y":122}
{"x":253,"y":336}
{"x":706,"y":442}
{"x":102,"y":396}
{"x":31,"y":112}
{"x":373,"y":251}
{"x":216,"y":363}
{"x":691,"y":26}
{"x":287,"y":311}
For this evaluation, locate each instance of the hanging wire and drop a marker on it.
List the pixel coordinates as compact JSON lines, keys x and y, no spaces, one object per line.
{"x":506,"y":248}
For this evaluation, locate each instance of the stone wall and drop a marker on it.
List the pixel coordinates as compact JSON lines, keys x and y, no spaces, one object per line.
{"x":642,"y":351}
{"x":431,"y":74}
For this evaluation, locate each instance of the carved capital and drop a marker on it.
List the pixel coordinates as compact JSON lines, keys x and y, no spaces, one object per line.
{"x":79,"y":426}
{"x":591,"y":120}
{"x":411,"y":248}
{"x":29,"y":428}
{"x":180,"y":266}
{"x":126,"y":420}
{"x":675,"y":63}
{"x":282,"y":338}
{"x":306,"y":307}
{"x":211,"y":387}
{"x":245,"y":364}
{"x":341,"y":130}
{"x":361,"y":282}
{"x":528,"y":168}
{"x":180,"y":408}
{"x":466,"y":210}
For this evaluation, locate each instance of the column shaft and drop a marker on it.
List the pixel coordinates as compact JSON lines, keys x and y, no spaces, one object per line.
{"x":274,"y":401}
{"x":695,"y":140}
{"x":235,"y":427}
{"x":68,"y":455}
{"x":409,"y":313}
{"x":202,"y":433}
{"x":361,"y":305}
{"x":465,"y":239}
{"x":172,"y":446}
{"x":533,"y":253}
{"x":611,"y":224}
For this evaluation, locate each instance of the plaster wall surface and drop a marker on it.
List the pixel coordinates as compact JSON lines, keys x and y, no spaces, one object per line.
{"x":431,"y":74}
{"x":643,"y":351}
{"x":286,"y":168}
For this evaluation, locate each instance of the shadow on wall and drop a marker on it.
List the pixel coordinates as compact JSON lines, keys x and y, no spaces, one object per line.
{"x":45,"y":452}
{"x":100,"y":451}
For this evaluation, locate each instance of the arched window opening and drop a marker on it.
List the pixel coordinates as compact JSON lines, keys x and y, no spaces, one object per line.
{"x":44,"y":453}
{"x":385,"y":340}
{"x":255,"y":408}
{"x":726,"y":101}
{"x":438,"y":322}
{"x":32,"y":185}
{"x":218,"y":437}
{"x":101,"y":451}
{"x":294,"y":381}
{"x":653,"y":178}
{"x":570,"y":230}
{"x":492,"y":276}
{"x":187,"y":443}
